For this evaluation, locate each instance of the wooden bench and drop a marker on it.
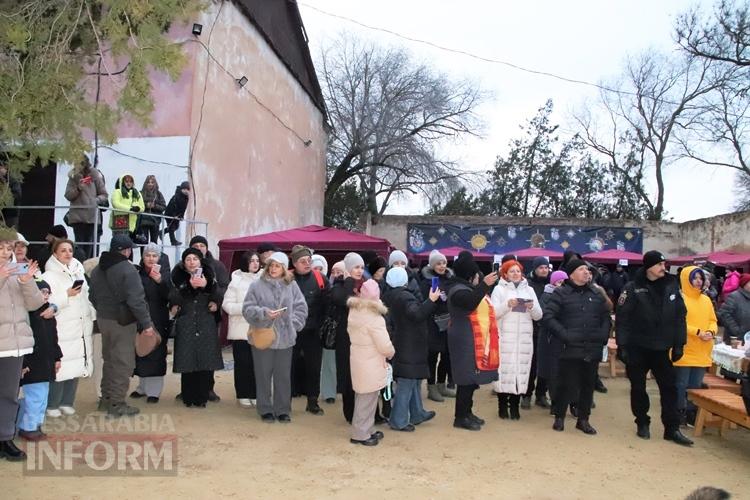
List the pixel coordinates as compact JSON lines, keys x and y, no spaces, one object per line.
{"x":727,"y":407}
{"x":719,"y":382}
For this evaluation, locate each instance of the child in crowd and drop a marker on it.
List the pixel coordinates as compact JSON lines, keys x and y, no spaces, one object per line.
{"x":39,"y":368}
{"x":370,"y":347}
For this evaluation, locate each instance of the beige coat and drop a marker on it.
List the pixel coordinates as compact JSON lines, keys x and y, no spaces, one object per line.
{"x":16,"y":299}
{"x":371,"y":345}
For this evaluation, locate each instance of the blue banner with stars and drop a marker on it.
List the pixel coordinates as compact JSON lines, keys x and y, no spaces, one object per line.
{"x":502,"y":239}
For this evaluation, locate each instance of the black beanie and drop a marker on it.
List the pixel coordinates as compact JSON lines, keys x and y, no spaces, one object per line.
{"x":375,"y":264}
{"x":652,"y":258}
{"x":199,"y":239}
{"x":537,"y":262}
{"x":192,"y":251}
{"x":464,"y":266}
{"x":507,"y":257}
{"x":59,"y":232}
{"x":574,"y":264}
{"x":41,"y":284}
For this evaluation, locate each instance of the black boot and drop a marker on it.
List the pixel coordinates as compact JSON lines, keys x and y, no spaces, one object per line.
{"x":559,"y":424}
{"x":643,"y":431}
{"x":11,"y":452}
{"x":466,"y":423}
{"x":502,"y":406}
{"x":584,"y":426}
{"x":313,"y":407}
{"x":515,"y":413}
{"x":678,"y":437}
{"x":599,"y":386}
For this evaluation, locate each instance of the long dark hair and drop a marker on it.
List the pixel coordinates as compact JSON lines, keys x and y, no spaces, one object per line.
{"x":135,"y":195}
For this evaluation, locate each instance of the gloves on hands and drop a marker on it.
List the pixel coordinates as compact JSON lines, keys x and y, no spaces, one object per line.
{"x":677,"y":353}
{"x":135,"y":209}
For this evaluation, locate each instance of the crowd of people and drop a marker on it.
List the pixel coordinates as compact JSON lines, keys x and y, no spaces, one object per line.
{"x":371,"y":330}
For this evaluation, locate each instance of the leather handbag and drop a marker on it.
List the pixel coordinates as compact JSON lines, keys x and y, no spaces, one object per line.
{"x":146,"y":344}
{"x":442,"y":321}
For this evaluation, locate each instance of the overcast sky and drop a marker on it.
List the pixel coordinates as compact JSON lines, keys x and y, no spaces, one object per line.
{"x":580,"y":39}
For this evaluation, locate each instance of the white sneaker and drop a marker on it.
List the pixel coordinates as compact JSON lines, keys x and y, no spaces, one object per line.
{"x":54,"y":413}
{"x":252,"y":402}
{"x":68,"y":410}
{"x":245,"y":403}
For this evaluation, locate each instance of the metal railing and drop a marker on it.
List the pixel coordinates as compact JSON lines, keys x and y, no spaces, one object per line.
{"x":191,"y":227}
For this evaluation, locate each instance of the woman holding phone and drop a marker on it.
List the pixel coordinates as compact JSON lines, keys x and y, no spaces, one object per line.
{"x":157,"y":286}
{"x":75,"y":324}
{"x":194,"y":300}
{"x":275,"y":301}
{"x":516,"y":308}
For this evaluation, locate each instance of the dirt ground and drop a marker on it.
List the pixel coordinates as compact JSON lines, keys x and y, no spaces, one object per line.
{"x":225,"y":451}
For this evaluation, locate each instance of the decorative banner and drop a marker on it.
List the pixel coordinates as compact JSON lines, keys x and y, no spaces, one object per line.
{"x":503,"y":239}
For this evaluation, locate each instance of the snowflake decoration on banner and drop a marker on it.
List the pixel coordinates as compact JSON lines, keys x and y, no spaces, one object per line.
{"x":571,"y":233}
{"x":441,"y":230}
{"x":432,"y":241}
{"x":454,"y":237}
{"x":629,"y":235}
{"x":501,"y":241}
{"x":609,"y":235}
{"x":565,"y":245}
{"x":491,"y":232}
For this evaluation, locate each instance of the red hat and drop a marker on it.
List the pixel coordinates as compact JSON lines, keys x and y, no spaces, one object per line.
{"x":744,"y":279}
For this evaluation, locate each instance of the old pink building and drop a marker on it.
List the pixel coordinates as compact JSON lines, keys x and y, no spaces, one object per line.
{"x":255,"y":154}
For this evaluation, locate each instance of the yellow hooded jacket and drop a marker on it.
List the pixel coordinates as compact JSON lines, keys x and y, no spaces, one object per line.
{"x":701,"y":317}
{"x":123,"y":203}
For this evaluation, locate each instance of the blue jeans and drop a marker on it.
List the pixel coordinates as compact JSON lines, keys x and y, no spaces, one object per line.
{"x":32,"y":406}
{"x":687,"y":377}
{"x":407,"y":403}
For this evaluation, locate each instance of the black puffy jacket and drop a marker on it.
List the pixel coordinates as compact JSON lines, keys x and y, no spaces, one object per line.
{"x":408,"y":317}
{"x":579,"y":317}
{"x":315,"y":297}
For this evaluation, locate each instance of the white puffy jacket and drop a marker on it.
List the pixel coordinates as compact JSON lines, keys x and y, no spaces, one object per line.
{"x":75,"y":318}
{"x":232,"y":305}
{"x":516,"y":336}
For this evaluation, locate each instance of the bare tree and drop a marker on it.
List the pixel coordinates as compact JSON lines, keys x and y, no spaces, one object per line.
{"x":390,"y":116}
{"x":654,"y":99}
{"x":723,"y":37}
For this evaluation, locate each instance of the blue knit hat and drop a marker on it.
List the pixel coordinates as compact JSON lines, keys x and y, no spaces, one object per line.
{"x":396,"y":277}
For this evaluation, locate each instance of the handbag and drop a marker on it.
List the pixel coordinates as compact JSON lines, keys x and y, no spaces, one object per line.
{"x":146,"y":344}
{"x":328,"y":332}
{"x":442,"y":321}
{"x":121,"y":222}
{"x":262,"y":337}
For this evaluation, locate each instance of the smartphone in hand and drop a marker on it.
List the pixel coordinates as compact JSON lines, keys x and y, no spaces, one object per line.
{"x":77,"y":284}
{"x":435,"y":283}
{"x":496,"y":267}
{"x":279,"y":310}
{"x":156,"y":267}
{"x":18,"y":269}
{"x":198,"y":273}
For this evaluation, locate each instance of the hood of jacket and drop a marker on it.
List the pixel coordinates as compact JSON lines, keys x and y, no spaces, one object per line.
{"x":510,"y":285}
{"x":375,"y":306}
{"x":239,"y":274}
{"x":109,"y":259}
{"x":688,"y":290}
{"x":74,"y":269}
{"x":549,"y":288}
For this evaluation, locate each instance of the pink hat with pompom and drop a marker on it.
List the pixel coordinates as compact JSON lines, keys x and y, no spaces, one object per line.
{"x":370,"y":290}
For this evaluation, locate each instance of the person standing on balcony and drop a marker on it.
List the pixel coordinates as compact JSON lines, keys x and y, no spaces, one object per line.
{"x":85,"y":188}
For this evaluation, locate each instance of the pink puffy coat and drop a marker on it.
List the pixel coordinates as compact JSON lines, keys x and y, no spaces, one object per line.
{"x":371,"y":345}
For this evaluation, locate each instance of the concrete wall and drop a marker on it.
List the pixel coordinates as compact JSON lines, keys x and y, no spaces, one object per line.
{"x":251,"y":174}
{"x":723,"y":232}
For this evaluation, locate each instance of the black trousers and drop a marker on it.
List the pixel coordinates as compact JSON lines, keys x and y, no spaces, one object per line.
{"x":464,"y":400}
{"x":306,"y":360}
{"x":150,"y":232}
{"x":244,"y":373}
{"x":575,"y":383}
{"x":640,"y":361}
{"x":537,"y":385}
{"x":440,"y":363}
{"x":85,"y":237}
{"x":195,"y":387}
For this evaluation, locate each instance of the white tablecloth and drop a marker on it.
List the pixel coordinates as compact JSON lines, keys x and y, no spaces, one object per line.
{"x":728,"y":358}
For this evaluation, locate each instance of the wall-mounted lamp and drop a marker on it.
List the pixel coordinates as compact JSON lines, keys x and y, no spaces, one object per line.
{"x":197,"y":29}
{"x":242,"y":81}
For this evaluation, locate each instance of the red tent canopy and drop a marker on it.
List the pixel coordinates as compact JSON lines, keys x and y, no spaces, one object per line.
{"x":452,"y":252}
{"x":323,"y":240}
{"x":720,"y":258}
{"x":531,"y":253}
{"x":613,"y":256}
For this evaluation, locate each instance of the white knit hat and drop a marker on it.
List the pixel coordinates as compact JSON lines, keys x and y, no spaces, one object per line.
{"x":279,"y":257}
{"x":353,"y":259}
{"x":320,"y":261}
{"x":434,"y":258}
{"x":397,"y":256}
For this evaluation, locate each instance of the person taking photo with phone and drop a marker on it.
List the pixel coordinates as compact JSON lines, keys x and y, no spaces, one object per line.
{"x":86,"y":192}
{"x":75,"y":324}
{"x":18,"y":295}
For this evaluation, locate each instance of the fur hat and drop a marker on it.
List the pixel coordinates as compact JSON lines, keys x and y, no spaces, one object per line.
{"x":397,"y":256}
{"x":320,"y":261}
{"x":558,"y":276}
{"x":396,"y":277}
{"x":370,"y":290}
{"x":376,"y":263}
{"x":434,"y":258}
{"x":464,"y":266}
{"x":651,"y":258}
{"x":299,"y":251}
{"x":353,"y":259}
{"x":279,"y":257}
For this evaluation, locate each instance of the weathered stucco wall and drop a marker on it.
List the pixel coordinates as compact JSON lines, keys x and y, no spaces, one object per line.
{"x":250,"y":173}
{"x":723,"y":232}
